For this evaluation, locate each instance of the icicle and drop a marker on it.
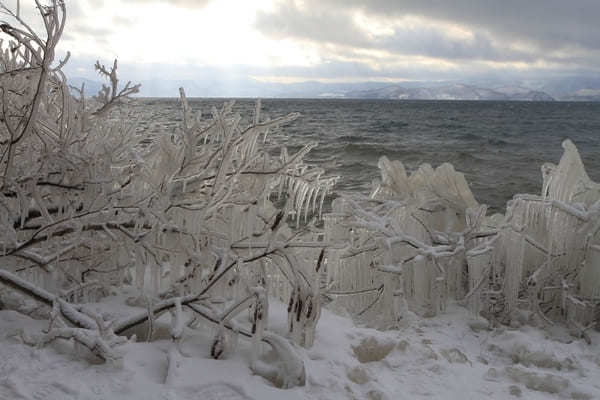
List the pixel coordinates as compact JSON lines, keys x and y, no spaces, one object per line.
{"x":259,"y":321}
{"x":155,"y":279}
{"x":140,"y":271}
{"x":301,"y":193}
{"x":219,"y":344}
{"x":323,"y":194}
{"x":315,"y":197}
{"x":307,"y":202}
{"x":150,"y":310}
{"x":257,"y":109}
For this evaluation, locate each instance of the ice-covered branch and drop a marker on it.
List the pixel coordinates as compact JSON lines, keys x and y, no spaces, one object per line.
{"x":111,"y":96}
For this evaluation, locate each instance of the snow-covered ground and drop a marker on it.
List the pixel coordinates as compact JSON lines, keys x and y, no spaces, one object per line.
{"x":453,"y":356}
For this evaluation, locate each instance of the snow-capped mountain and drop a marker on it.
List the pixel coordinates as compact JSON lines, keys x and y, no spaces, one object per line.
{"x":451,"y":92}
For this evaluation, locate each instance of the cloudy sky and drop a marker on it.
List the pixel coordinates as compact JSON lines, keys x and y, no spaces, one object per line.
{"x":339,"y":40}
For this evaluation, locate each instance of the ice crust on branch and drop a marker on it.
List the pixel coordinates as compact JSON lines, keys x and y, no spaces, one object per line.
{"x":425,"y":238}
{"x":89,"y":205}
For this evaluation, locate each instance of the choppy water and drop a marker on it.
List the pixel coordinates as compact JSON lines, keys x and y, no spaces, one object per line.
{"x":499,"y":146}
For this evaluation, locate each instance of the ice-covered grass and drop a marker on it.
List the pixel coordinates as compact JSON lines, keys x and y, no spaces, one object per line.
{"x":451,"y":356}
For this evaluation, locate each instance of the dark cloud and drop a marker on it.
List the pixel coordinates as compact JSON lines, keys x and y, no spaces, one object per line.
{"x":433,"y":42}
{"x":551,"y":31}
{"x":548,"y":22}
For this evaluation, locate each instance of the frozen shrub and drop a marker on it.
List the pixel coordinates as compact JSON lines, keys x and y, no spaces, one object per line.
{"x":86,"y":206}
{"x":421,"y":239}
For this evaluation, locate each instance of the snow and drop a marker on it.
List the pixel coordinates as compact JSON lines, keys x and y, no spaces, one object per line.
{"x":450,"y":356}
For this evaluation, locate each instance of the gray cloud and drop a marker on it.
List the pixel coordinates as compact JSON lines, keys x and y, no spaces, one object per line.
{"x":319,"y":23}
{"x":552,"y":31}
{"x":551,"y":39}
{"x":547,"y":22}
{"x":432,"y":42}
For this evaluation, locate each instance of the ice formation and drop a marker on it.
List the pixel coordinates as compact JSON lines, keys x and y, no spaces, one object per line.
{"x":423,"y":238}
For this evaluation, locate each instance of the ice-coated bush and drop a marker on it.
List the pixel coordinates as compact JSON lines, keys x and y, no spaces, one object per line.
{"x":86,"y":206}
{"x":190,"y":220}
{"x":421,"y":239}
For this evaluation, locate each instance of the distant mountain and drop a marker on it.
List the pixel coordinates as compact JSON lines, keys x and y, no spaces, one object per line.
{"x":524,"y":94}
{"x":246,"y":87}
{"x":584,"y":95}
{"x":241,"y":87}
{"x":568,"y":87}
{"x":451,"y":92}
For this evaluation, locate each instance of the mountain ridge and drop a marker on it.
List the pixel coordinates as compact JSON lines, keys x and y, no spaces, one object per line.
{"x":452,"y":92}
{"x":359,"y":90}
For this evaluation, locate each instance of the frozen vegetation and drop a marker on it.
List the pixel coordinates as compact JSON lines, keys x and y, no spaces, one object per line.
{"x":201,"y":266}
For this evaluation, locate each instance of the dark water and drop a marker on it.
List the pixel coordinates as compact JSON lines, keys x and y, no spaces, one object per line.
{"x":499,"y":146}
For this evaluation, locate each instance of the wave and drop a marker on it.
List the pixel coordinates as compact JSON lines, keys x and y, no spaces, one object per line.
{"x":351,"y":138}
{"x":468,"y":156}
{"x":499,"y":145}
{"x":388,"y":126}
{"x":468,"y":136}
{"x":375,"y":149}
{"x":446,"y":126}
{"x":498,"y":142}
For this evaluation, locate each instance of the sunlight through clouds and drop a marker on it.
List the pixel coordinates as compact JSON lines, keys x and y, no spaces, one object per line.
{"x":350,"y":40}
{"x":220,"y":33}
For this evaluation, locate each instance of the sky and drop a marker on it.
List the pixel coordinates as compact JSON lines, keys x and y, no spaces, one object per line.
{"x":525,"y":41}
